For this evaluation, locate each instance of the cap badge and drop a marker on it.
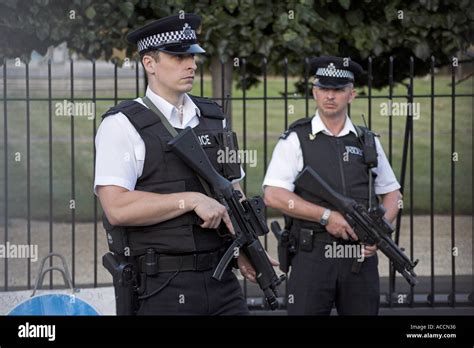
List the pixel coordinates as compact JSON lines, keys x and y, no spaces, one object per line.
{"x":187,"y":31}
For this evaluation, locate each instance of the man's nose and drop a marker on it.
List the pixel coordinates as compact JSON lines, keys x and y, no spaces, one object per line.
{"x":191,"y":63}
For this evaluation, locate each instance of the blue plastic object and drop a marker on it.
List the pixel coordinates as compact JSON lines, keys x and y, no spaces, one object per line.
{"x":54,"y":304}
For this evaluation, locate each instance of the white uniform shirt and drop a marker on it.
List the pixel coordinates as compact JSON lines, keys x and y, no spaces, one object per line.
{"x":120,"y":151}
{"x":287,"y":160}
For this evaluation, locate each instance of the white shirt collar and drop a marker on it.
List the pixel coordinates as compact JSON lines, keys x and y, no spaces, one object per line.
{"x":169,"y":110}
{"x":317,"y":125}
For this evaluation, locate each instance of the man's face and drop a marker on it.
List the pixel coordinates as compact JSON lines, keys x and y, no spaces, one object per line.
{"x":172,"y":72}
{"x":333,"y":102}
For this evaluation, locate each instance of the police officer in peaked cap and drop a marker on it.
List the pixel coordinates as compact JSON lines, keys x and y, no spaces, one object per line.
{"x":321,"y":277}
{"x":157,"y":213}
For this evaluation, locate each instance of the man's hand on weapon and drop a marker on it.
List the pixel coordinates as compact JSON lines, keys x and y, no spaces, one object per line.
{"x":339,"y":227}
{"x":247,"y":270}
{"x":370,"y":250}
{"x":211,"y":212}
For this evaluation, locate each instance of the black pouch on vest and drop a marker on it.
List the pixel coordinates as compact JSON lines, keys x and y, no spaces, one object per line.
{"x":230,"y":148}
{"x":306,"y":239}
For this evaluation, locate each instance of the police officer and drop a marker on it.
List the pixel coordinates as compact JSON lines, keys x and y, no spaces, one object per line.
{"x":333,"y":146}
{"x":170,"y":222}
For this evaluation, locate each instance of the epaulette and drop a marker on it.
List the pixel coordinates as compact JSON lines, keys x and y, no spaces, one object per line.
{"x":297,"y":123}
{"x":118,"y":108}
{"x":208,"y":107}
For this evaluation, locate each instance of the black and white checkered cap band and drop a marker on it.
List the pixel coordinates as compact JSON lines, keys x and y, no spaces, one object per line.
{"x":158,"y":40}
{"x":332,"y":72}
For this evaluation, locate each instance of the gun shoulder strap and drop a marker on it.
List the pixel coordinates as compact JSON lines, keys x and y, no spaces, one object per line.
{"x":173,"y":133}
{"x":162,"y":117}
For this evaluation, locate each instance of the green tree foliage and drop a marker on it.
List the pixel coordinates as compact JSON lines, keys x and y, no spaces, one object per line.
{"x":254,"y":29}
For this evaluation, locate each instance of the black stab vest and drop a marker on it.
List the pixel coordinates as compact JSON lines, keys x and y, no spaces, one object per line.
{"x":163,"y":172}
{"x":339,"y":161}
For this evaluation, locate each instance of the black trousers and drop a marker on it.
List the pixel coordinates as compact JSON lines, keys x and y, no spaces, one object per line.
{"x":194,"y":293}
{"x":317,"y":283}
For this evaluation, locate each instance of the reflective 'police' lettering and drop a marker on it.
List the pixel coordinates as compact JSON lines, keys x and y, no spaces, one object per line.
{"x":354,"y":150}
{"x":204,"y":139}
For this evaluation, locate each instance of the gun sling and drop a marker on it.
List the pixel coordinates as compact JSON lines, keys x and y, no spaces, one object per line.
{"x":173,"y":133}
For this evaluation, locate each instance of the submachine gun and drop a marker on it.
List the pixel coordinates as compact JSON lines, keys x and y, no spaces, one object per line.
{"x":247,"y":215}
{"x":370,"y":226}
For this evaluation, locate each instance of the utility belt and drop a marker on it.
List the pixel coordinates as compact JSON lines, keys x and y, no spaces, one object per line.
{"x":297,"y":237}
{"x":130,"y":273}
{"x":306,"y":235}
{"x":153,"y":263}
{"x":307,"y":238}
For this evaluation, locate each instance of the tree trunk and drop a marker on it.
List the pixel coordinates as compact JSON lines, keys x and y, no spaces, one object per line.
{"x":221,"y":91}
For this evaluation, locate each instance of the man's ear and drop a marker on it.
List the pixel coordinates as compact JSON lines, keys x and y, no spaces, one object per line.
{"x":314,"y":92}
{"x":148,"y":63}
{"x":353,"y":95}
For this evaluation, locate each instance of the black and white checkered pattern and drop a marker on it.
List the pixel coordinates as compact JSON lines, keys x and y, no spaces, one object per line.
{"x":331,"y":71}
{"x":158,"y":40}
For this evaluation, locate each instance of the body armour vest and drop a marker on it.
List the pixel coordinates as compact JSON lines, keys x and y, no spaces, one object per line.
{"x":164,"y":172}
{"x":339,"y":161}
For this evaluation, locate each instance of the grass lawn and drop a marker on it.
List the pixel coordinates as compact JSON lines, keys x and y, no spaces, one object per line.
{"x":83,"y":147}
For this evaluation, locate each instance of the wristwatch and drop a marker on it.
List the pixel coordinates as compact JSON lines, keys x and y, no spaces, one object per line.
{"x":324,"y":219}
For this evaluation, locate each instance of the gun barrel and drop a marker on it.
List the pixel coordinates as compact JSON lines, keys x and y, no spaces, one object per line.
{"x":267,"y":279}
{"x":386,"y":245}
